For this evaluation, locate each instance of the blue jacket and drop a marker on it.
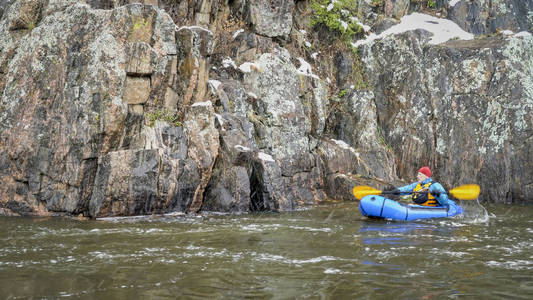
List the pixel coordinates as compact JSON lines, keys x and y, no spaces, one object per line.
{"x":434,"y":189}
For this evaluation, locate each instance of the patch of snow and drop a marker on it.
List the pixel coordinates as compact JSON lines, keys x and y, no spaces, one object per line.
{"x":214,"y":83}
{"x":265,"y":157}
{"x":366,"y":28}
{"x":507,"y":32}
{"x":236,"y":34}
{"x":307,"y":44}
{"x":252,"y":95}
{"x":205,"y":103}
{"x":442,"y":29}
{"x":220,"y":119}
{"x":523,"y":34}
{"x":228,"y":62}
{"x":195,"y":27}
{"x":242,"y":148}
{"x":303,"y":32}
{"x":334,"y":271}
{"x":305,"y":68}
{"x":344,"y":25}
{"x":343,"y":145}
{"x":247,"y":67}
{"x":314,"y":55}
{"x":453,"y":2}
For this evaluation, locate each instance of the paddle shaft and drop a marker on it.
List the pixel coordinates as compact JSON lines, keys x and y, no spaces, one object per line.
{"x":463,"y":192}
{"x":396,"y":193}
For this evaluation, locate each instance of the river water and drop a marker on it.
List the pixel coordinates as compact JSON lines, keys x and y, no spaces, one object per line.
{"x":326,"y":252}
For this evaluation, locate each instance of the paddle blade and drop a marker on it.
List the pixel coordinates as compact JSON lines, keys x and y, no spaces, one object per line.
{"x":466,"y":192}
{"x":362,"y":190}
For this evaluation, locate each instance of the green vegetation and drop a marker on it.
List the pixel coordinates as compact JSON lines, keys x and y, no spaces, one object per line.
{"x":139,"y":23}
{"x":381,"y":138}
{"x":342,"y":93}
{"x":429,"y":3}
{"x":27,"y":21}
{"x":376,"y":3}
{"x":358,"y":80}
{"x":166,"y":115}
{"x":339,"y":18}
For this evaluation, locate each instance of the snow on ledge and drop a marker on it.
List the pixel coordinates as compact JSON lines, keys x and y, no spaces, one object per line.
{"x":453,"y":2}
{"x":228,"y":62}
{"x":220,"y":120}
{"x":442,"y":29}
{"x":247,"y":67}
{"x":343,"y":145}
{"x":193,"y":27}
{"x":305,"y":68}
{"x":366,"y":28}
{"x":265,"y":157}
{"x":523,"y":34}
{"x":206,"y":103}
{"x":242,"y":148}
{"x":236,"y":34}
{"x":214,"y":83}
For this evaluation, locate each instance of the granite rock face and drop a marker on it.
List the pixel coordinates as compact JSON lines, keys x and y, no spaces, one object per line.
{"x":490,"y":16}
{"x":463,"y":107}
{"x":91,"y":99}
{"x":112,"y":109}
{"x":272,"y":18}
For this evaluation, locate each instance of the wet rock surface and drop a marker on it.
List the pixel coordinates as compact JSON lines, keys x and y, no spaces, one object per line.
{"x":110,"y":108}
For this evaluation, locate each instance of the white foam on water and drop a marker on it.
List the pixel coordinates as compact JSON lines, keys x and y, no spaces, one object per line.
{"x":266,"y":257}
{"x":473,"y":213}
{"x":518,"y":264}
{"x":311,"y":229}
{"x":335,"y":271}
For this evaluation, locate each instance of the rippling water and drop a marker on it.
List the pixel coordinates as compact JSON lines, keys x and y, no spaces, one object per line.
{"x":328,"y":251}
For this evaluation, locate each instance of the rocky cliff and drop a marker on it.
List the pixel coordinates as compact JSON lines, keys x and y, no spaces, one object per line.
{"x":114,"y":108}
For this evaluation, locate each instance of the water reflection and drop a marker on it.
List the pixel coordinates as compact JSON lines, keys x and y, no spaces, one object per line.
{"x":399,"y":233}
{"x":395,"y":227}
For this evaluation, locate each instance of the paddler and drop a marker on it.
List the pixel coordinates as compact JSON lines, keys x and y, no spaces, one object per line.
{"x":424,"y":191}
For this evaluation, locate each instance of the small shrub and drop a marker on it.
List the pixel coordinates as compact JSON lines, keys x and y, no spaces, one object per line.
{"x":342,"y":93}
{"x":376,"y":3}
{"x":429,"y":3}
{"x":340,"y":18}
{"x":168,"y":116}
